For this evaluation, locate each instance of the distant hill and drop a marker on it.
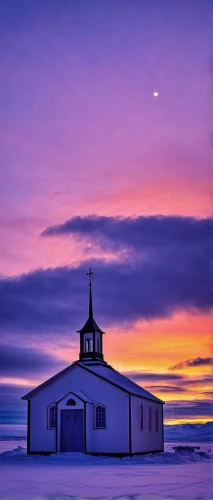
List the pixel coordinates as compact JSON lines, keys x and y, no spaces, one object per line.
{"x":12,"y":432}
{"x":202,"y":433}
{"x":189,"y":432}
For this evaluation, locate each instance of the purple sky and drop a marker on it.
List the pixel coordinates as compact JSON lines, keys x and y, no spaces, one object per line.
{"x":83,"y":141}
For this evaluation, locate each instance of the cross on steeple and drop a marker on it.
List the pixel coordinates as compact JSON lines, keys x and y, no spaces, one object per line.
{"x":90,"y":276}
{"x":91,"y":347}
{"x":90,"y":293}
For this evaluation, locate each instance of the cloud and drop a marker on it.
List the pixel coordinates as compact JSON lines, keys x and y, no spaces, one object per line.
{"x":187,"y":409}
{"x":208,"y":393}
{"x":12,"y":408}
{"x":165,"y":269}
{"x":166,"y":388}
{"x":138,"y":233}
{"x":149,"y":376}
{"x":203,"y":380}
{"x":164,"y":381}
{"x":23,"y":361}
{"x":12,"y":393}
{"x":150,"y":238}
{"x":192,"y":363}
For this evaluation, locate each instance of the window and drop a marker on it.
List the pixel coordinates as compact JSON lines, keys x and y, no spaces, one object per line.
{"x":52,"y":417}
{"x":100,"y":417}
{"x":88,"y":345}
{"x":156,"y":420}
{"x":141,"y":416}
{"x":150,"y":419}
{"x":71,"y":402}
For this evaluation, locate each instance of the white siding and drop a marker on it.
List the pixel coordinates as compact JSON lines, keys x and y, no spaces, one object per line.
{"x":113,"y":439}
{"x":41,"y":438}
{"x":146,"y":440}
{"x":89,"y":426}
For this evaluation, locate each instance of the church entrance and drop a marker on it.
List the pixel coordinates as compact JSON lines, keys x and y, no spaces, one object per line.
{"x":71,"y":430}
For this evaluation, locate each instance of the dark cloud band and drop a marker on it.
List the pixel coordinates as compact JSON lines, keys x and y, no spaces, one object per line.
{"x":24,"y":362}
{"x":167,"y":270}
{"x":187,"y":409}
{"x":190,"y":363}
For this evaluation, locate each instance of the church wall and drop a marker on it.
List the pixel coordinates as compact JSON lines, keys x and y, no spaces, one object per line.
{"x":41,"y":439}
{"x":115,"y":438}
{"x":146,"y":440}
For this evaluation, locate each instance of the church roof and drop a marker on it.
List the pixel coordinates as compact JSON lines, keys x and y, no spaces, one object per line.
{"x":90,"y":325}
{"x":108,"y":373}
{"x":105,"y":372}
{"x":79,"y":395}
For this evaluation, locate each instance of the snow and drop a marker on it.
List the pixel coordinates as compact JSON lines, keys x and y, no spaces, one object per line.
{"x":166,"y":475}
{"x":189,"y":432}
{"x":170,"y":475}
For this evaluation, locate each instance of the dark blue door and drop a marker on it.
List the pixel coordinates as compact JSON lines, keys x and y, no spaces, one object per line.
{"x":71,"y":430}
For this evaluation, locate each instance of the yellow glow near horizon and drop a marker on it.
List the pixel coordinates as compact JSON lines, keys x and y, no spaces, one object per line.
{"x":187,"y":421}
{"x":159,"y":344}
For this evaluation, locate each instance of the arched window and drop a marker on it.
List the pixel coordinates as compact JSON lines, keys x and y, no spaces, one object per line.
{"x":156,"y":419}
{"x":141,"y":416}
{"x":52,"y":417}
{"x":150,"y":418}
{"x":100,"y":416}
{"x":71,"y":402}
{"x":88,"y":345}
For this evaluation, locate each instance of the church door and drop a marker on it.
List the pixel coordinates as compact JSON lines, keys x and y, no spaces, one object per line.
{"x":71,"y":430}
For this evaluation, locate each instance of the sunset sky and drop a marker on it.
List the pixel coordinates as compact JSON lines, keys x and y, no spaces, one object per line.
{"x":97,"y":172}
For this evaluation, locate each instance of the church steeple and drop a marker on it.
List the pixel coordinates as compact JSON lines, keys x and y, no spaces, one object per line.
{"x":90,"y":293}
{"x":90,"y":335}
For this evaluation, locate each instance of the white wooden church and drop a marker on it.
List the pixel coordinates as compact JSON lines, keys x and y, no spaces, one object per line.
{"x":89,"y":407}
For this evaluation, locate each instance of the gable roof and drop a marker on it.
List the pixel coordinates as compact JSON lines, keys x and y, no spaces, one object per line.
{"x":80,"y":395}
{"x":105,"y":372}
{"x":48,"y":382}
{"x":111,"y":375}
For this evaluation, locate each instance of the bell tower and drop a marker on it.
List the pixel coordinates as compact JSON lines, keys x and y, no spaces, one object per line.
{"x":91,"y":344}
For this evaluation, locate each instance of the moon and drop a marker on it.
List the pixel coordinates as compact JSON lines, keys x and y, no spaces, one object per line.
{"x":155,"y":94}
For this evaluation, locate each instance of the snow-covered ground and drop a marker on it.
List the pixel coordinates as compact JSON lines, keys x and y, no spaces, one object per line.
{"x":167,"y":475}
{"x":189,"y":432}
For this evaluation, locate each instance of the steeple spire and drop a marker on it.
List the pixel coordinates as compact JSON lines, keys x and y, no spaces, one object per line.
{"x":90,"y":293}
{"x":90,"y":334}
